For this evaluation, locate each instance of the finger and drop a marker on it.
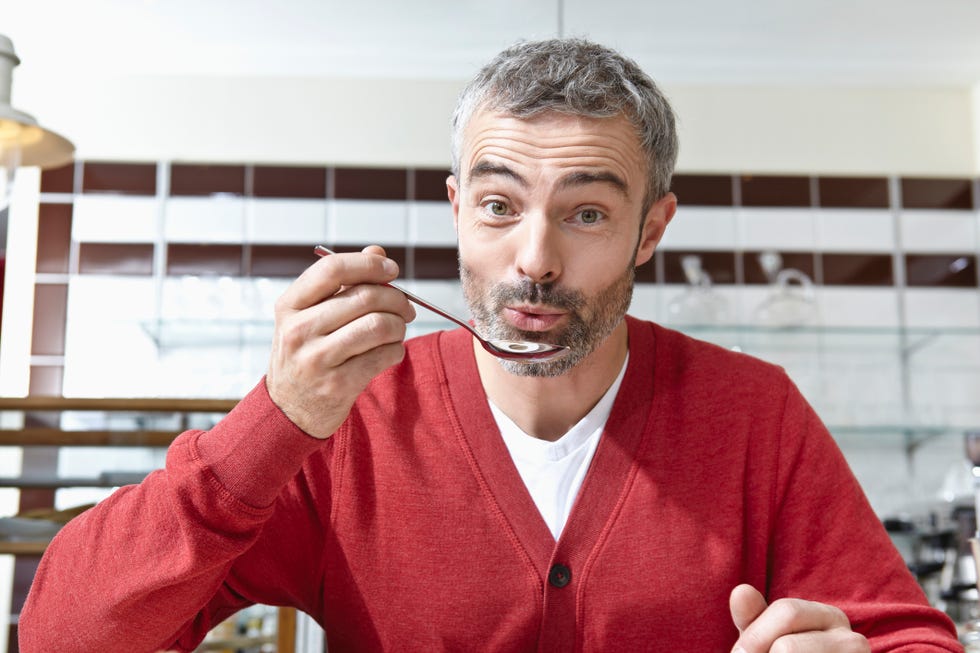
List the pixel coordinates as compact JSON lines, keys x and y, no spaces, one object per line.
{"x":349,"y":305}
{"x":329,"y":274}
{"x":355,"y":338}
{"x":787,"y":617}
{"x":745,"y":603}
{"x":377,"y":250}
{"x":837,"y":640}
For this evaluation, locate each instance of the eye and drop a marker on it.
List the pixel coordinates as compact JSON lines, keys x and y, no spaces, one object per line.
{"x":589,"y":216}
{"x":496,"y":207}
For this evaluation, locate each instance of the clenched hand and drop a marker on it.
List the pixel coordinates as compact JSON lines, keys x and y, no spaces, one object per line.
{"x":336,"y":329}
{"x":790,"y":625}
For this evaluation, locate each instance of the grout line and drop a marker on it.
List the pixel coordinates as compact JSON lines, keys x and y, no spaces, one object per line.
{"x":407,"y":224}
{"x":160,"y":242}
{"x":817,"y":253}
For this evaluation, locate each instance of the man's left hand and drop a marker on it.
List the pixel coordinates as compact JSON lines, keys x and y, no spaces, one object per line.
{"x":790,"y":625}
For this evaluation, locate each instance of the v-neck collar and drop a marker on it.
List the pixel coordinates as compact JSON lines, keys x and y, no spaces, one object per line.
{"x":608,"y":477}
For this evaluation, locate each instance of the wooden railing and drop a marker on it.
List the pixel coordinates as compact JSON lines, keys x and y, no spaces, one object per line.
{"x":56,"y":437}
{"x":31,"y":436}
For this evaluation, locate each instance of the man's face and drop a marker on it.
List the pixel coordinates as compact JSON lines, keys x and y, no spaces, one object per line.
{"x":550,"y":223}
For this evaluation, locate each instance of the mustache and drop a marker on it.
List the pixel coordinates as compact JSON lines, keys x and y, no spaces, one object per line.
{"x":529,"y":292}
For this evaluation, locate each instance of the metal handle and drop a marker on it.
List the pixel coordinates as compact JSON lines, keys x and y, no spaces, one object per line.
{"x":320,"y":250}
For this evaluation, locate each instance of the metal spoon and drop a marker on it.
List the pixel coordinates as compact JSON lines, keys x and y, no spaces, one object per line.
{"x":515,"y":350}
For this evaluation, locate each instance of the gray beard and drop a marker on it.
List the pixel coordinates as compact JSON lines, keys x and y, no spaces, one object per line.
{"x":582,"y":335}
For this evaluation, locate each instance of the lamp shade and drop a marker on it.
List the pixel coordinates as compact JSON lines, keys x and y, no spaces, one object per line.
{"x":19,"y":131}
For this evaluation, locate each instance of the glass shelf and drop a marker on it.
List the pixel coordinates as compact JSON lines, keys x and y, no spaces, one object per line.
{"x":914,"y":384}
{"x":187,"y":333}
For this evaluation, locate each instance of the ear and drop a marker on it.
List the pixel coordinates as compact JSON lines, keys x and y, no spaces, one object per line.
{"x":657,"y":218}
{"x":452,"y":188}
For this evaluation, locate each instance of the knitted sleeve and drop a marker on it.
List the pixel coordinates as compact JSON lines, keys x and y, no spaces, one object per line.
{"x":155,"y":565}
{"x":828,"y":545}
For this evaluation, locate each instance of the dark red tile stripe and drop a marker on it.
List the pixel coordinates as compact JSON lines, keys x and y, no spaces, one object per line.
{"x":198,"y":180}
{"x":205,"y":259}
{"x":944,"y":270}
{"x":430,"y":185}
{"x":857,"y":269}
{"x":50,"y":312}
{"x":775,"y":191}
{"x":371,"y":183}
{"x":280,"y":260}
{"x":440,"y":263}
{"x":289,"y":181}
{"x":58,"y":180}
{"x":755,"y":274}
{"x":435,"y":263}
{"x":919,"y":193}
{"x":53,"y":237}
{"x":703,"y":190}
{"x":124,"y":178}
{"x":398,"y":254}
{"x":647,"y":273}
{"x":853,"y":192}
{"x":115,"y":258}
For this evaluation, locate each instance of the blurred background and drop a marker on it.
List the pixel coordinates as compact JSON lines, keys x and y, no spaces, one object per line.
{"x":829,"y":221}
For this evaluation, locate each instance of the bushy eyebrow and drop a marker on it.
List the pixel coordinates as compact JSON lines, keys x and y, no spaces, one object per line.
{"x":583,"y":178}
{"x":485,"y":169}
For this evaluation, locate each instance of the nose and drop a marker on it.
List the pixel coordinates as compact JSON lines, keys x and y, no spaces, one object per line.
{"x":538,"y":253}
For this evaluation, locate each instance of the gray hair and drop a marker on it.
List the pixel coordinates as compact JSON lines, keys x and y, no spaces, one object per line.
{"x":577,"y":77}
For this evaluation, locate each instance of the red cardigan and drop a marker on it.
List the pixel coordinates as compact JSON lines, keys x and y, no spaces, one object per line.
{"x":410,"y":528}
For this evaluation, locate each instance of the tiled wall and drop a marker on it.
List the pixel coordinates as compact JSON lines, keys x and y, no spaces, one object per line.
{"x":176,"y":266}
{"x":159,"y":279}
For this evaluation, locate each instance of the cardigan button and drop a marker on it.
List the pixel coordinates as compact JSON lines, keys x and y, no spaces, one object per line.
{"x":559,"y":576}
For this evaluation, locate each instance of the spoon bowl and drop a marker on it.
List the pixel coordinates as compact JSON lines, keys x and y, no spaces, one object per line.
{"x":513,"y":350}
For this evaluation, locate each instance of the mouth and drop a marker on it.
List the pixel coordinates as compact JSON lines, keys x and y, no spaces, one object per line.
{"x":533,"y":318}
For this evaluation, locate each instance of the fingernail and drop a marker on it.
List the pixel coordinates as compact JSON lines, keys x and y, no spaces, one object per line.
{"x":390,"y":267}
{"x":738,"y":649}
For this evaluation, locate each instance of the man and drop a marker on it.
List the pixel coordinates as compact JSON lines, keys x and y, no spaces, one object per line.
{"x":645,"y":492}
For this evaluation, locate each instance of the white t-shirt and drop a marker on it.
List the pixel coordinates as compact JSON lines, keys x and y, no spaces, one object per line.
{"x":553,"y":471}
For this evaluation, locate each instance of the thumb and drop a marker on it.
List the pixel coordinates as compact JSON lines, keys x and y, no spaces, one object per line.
{"x":745,"y":603}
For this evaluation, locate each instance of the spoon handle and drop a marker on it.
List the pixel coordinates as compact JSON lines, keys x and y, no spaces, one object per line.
{"x":320,"y":250}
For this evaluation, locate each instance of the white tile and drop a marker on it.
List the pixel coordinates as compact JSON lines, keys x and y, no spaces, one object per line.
{"x":92,"y":461}
{"x":646,"y":303}
{"x":431,"y":223}
{"x":942,"y":307}
{"x":944,"y":376}
{"x":701,"y":228}
{"x":777,"y":228}
{"x":115,"y":219}
{"x":280,"y":221}
{"x":447,"y":295}
{"x":10,"y":461}
{"x":855,"y":230}
{"x":94,"y":298}
{"x":938,"y":231}
{"x":858,"y":306}
{"x":358,"y":222}
{"x":216,"y":219}
{"x":106,"y":315}
{"x":210,"y":298}
{"x":879,"y":469}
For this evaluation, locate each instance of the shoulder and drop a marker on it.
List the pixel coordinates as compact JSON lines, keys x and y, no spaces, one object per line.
{"x":678,"y":355}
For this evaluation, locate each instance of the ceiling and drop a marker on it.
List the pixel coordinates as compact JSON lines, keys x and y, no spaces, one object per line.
{"x":885,"y":42}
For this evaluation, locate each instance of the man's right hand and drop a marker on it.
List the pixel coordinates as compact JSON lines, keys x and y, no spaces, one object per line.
{"x":336,"y":329}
